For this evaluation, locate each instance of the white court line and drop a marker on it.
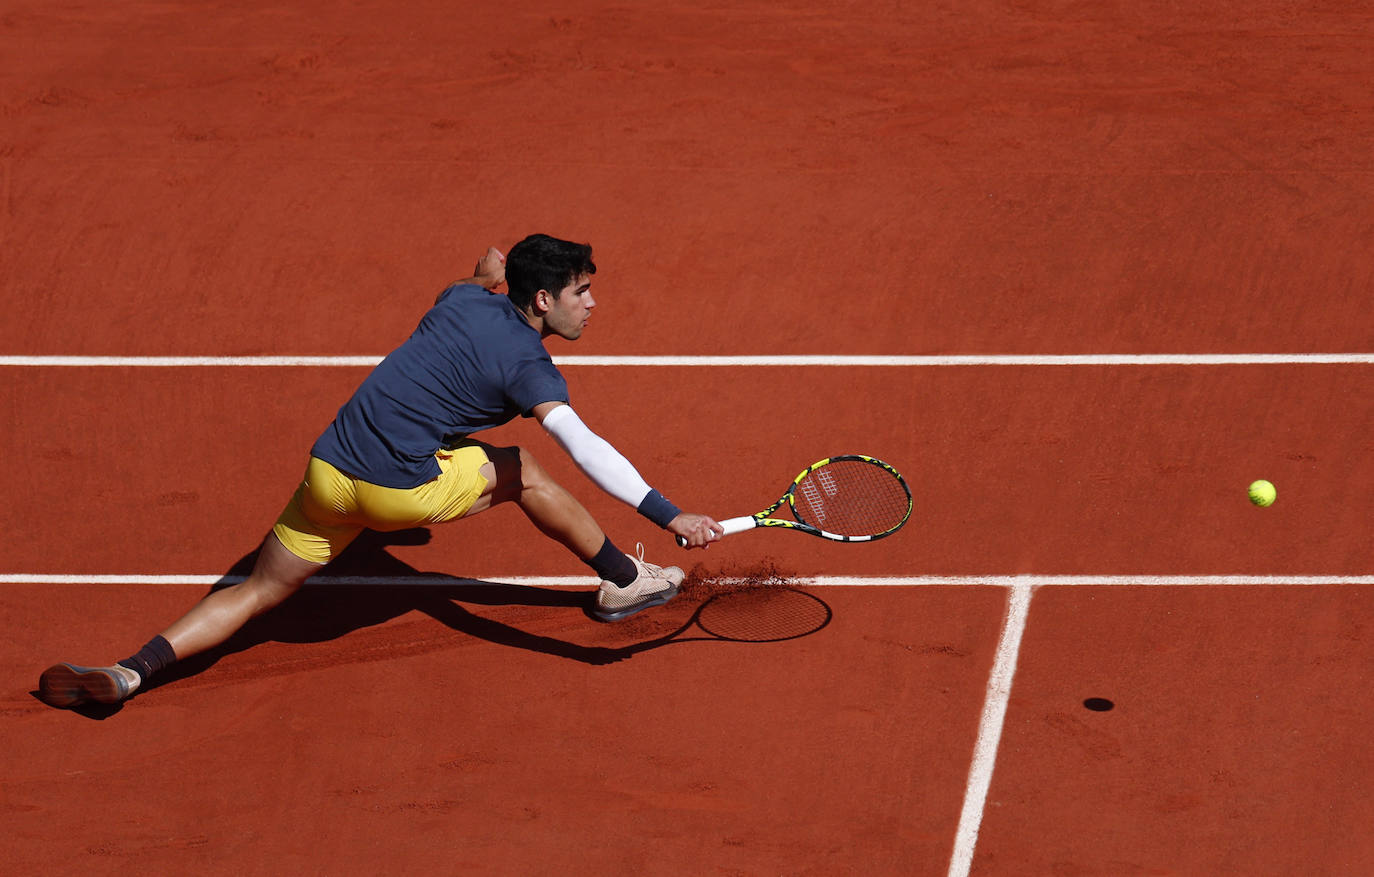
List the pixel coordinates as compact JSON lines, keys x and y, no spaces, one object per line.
{"x":975,"y":359}
{"x":64,"y":579}
{"x":1031,"y":581}
{"x":990,"y":729}
{"x":726,"y":361}
{"x":1038,"y":581}
{"x":187,"y":361}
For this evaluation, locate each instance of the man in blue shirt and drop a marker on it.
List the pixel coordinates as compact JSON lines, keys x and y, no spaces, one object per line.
{"x":400,"y":454}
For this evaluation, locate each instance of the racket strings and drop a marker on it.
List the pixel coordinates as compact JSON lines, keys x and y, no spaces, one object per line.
{"x":851,"y":498}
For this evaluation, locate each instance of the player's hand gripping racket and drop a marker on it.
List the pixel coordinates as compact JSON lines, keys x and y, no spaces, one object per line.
{"x":850,"y":498}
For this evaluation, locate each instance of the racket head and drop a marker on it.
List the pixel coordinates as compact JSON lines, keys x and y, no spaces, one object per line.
{"x":766,"y":614}
{"x":849,"y":498}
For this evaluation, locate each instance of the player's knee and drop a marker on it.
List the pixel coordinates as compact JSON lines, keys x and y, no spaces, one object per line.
{"x":276,"y":575}
{"x":534,"y":478}
{"x":517,"y":472}
{"x":265,"y":593}
{"x":531,"y":473}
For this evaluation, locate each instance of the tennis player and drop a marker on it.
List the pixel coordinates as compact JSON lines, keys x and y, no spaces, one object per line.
{"x":400,"y":454}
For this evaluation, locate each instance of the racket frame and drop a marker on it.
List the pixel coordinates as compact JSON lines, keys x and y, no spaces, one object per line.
{"x":764,"y":518}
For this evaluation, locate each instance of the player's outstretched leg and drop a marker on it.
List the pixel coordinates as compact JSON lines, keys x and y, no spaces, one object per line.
{"x":276,"y":575}
{"x":64,"y":685}
{"x":628,"y":584}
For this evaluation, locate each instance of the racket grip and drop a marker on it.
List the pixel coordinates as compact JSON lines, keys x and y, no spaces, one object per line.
{"x":730,"y":526}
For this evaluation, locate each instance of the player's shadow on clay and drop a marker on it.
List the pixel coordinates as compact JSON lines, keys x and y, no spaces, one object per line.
{"x":322,"y":612}
{"x":319,"y":613}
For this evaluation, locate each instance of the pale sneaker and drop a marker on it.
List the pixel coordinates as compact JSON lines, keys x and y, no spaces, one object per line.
{"x":65,"y":684}
{"x":654,"y":586}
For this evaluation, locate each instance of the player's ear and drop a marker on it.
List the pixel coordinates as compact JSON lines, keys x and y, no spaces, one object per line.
{"x":543,"y":301}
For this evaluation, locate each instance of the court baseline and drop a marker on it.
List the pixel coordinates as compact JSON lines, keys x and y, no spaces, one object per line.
{"x":838,"y":361}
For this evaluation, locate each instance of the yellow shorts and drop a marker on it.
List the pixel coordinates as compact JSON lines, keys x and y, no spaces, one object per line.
{"x":330,"y":508}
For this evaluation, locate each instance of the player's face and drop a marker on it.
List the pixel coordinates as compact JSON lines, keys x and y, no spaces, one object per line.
{"x":568,"y":314}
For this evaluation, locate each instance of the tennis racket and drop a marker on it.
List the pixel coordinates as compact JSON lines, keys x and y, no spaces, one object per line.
{"x":850,"y":498}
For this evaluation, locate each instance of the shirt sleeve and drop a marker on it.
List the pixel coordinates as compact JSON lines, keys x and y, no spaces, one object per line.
{"x":536,"y":381}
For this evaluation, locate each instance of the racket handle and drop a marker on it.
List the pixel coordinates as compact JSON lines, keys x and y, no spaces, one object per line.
{"x":731,"y":526}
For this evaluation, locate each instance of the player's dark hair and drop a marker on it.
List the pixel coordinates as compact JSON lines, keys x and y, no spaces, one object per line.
{"x":543,"y":262}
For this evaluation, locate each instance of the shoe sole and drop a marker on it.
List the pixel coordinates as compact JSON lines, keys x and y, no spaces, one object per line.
{"x":63,"y":685}
{"x":655,"y":599}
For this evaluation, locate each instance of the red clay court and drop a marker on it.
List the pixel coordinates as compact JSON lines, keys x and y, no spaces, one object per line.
{"x":1081,"y":271}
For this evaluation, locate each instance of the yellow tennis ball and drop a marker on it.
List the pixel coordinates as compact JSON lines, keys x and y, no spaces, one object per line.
{"x":1262,"y":493}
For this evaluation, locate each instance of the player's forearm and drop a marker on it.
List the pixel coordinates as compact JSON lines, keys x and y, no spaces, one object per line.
{"x":607,"y":467}
{"x":487,"y":281}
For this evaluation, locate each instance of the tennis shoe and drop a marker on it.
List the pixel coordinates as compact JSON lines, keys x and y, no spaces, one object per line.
{"x":654,"y":586}
{"x":64,"y":685}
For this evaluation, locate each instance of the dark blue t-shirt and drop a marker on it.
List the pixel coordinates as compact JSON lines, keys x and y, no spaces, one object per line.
{"x":473,"y":363}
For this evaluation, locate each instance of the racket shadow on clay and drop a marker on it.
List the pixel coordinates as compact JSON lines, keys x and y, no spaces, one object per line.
{"x":766,"y":614}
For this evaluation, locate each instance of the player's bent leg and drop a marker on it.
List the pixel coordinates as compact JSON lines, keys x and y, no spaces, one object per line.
{"x":628,"y":584}
{"x":513,"y":475}
{"x":652,"y":586}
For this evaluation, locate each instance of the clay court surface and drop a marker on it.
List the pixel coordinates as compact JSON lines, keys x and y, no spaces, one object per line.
{"x":888,"y":179}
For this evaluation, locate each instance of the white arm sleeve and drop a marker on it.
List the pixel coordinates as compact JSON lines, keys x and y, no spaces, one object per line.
{"x":596,"y":457}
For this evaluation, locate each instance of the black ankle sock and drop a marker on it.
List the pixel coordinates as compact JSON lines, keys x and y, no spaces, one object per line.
{"x":613,"y":565}
{"x":151,"y":658}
